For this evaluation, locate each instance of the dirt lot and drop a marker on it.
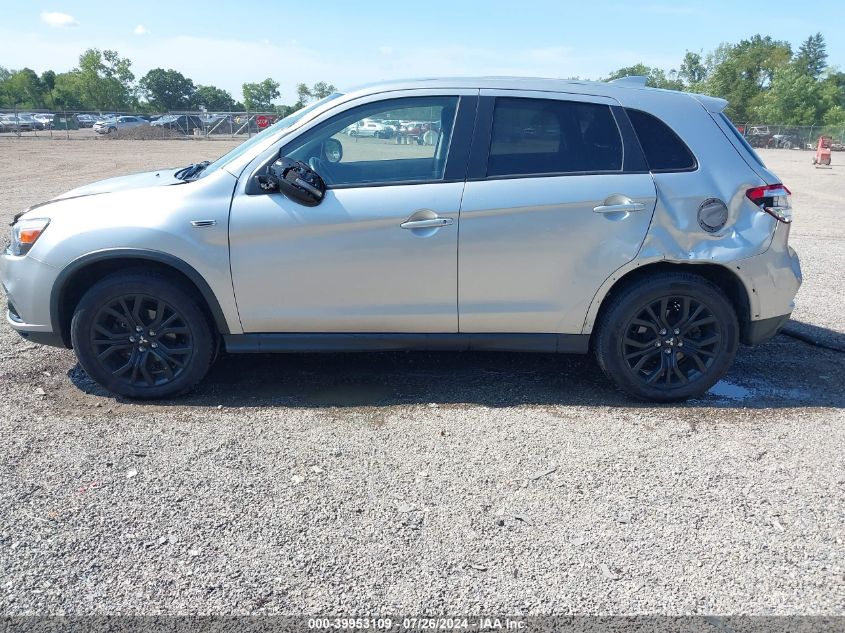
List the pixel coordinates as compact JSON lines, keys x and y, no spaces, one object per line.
{"x":404,"y":483}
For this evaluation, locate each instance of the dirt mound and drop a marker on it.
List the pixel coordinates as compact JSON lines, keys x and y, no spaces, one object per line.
{"x":145,"y":133}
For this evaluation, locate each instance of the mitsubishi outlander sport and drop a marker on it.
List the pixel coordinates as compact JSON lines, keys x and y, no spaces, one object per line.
{"x":544,"y":215}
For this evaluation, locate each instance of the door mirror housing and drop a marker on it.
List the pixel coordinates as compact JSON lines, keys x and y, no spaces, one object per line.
{"x":295,"y":179}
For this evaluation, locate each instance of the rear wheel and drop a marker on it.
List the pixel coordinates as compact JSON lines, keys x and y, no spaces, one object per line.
{"x":668,"y":337}
{"x":141,"y":335}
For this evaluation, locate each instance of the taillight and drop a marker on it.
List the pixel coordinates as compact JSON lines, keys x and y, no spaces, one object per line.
{"x":774,"y":200}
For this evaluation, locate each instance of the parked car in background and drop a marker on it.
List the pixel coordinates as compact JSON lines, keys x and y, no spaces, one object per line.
{"x":786,"y":141}
{"x":18,"y":123}
{"x":640,"y":226}
{"x":46,"y":120}
{"x":181,"y":123}
{"x":86,"y":120}
{"x":107,"y":126}
{"x":35,"y":124}
{"x":370,"y":128}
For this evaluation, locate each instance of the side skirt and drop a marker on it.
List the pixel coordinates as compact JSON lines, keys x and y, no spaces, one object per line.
{"x":366,"y":342}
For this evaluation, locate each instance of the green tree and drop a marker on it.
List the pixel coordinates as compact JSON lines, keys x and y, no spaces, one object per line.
{"x":167,"y":89}
{"x":741,"y":73}
{"x":106,"y":80}
{"x":25,"y":89}
{"x":259,"y":96}
{"x":693,"y":70}
{"x":69,"y":93}
{"x":319,"y":90}
{"x":835,"y":116}
{"x":812,"y":56}
{"x":214,"y":99}
{"x":836,"y":84}
{"x":794,"y":98}
{"x":656,"y":77}
{"x":48,"y":80}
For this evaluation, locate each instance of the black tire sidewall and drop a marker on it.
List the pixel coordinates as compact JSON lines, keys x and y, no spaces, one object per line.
{"x":608,"y":346}
{"x":179,"y":298}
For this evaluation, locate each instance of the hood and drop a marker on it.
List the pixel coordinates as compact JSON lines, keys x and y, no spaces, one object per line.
{"x":159,"y":178}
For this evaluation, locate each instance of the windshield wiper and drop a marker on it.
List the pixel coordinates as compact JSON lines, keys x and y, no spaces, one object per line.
{"x":191,"y":170}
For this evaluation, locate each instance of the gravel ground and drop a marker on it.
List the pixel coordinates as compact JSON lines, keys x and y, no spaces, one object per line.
{"x":409,"y":483}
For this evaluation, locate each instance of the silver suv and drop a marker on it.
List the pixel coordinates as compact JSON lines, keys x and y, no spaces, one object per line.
{"x":540,"y":215}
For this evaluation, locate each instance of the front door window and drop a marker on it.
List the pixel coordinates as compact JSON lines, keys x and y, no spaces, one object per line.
{"x":389,"y":142}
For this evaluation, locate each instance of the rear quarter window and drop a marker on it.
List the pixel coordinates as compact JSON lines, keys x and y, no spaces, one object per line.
{"x":664,"y":150}
{"x":742,"y":140}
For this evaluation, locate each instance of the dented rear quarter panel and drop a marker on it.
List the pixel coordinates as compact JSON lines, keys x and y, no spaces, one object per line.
{"x":675,"y":235}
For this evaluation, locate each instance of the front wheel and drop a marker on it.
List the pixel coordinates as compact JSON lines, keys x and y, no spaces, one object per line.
{"x":141,"y":335}
{"x":668,"y":337}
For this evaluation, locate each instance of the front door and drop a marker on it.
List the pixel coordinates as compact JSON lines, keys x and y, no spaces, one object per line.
{"x":555,"y":203}
{"x":379,"y":254}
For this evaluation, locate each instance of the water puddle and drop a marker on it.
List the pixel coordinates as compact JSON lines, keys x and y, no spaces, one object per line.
{"x":725,"y":389}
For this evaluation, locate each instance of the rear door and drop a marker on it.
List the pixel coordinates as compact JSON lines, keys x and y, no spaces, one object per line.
{"x":558,"y":197}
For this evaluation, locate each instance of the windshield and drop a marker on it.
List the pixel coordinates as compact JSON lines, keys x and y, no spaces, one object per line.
{"x":271,"y":131}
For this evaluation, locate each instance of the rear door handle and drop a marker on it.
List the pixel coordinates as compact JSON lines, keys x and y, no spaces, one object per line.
{"x":626,"y":207}
{"x":426,"y":224}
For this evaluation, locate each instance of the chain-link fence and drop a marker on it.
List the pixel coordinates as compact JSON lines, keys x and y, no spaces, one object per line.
{"x":761,"y":135}
{"x":221,"y":125}
{"x":133,"y":125}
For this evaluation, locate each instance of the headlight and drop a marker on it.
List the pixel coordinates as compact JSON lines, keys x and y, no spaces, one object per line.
{"x":25,"y":233}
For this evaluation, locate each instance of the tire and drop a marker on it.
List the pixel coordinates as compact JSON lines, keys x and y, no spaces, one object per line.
{"x":113,"y":337}
{"x":668,"y":337}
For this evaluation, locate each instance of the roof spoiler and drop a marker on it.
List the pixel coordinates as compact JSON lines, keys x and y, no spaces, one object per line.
{"x":711,"y":104}
{"x":631,"y":80}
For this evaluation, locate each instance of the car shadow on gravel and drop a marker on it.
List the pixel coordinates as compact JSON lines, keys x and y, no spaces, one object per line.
{"x":785,"y":372}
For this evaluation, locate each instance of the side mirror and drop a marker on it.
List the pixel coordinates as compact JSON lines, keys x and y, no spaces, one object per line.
{"x":296,"y":180}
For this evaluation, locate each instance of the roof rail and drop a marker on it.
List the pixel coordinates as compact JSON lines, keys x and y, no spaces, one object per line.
{"x":631,"y":80}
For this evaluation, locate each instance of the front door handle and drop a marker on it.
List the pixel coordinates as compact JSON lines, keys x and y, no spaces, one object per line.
{"x":625,"y":207}
{"x":426,"y":224}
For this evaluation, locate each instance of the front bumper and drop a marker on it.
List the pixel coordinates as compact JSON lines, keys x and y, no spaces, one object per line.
{"x":761,"y":331}
{"x":27,"y":284}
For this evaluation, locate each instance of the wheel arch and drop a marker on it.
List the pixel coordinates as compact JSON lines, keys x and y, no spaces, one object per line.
{"x":84,"y":271}
{"x":722,"y":276}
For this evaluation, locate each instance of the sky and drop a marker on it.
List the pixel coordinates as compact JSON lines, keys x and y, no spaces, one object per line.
{"x":345,"y":43}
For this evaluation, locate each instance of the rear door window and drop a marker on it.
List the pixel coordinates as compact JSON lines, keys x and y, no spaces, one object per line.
{"x":546,"y":136}
{"x":663,"y":149}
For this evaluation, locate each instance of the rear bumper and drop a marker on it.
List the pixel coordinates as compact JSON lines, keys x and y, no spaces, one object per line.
{"x":771,"y":281}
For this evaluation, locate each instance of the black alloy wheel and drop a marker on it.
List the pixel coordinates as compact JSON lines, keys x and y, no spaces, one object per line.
{"x":671,"y":341}
{"x":142,"y":335}
{"x":142,"y":340}
{"x":667,"y":337}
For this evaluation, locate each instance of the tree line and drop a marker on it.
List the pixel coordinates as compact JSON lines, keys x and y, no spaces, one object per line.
{"x":104,"y":81}
{"x":763,"y":79}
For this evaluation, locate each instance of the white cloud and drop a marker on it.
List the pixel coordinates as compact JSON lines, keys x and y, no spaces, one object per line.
{"x":58,"y":20}
{"x":140,"y":30}
{"x":385,"y":50}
